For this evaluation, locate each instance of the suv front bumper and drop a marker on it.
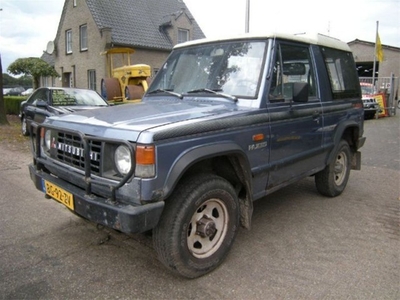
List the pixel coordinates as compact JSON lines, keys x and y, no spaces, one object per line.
{"x":119,"y":216}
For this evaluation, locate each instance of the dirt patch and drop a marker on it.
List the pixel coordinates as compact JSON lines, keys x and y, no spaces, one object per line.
{"x":11,"y":137}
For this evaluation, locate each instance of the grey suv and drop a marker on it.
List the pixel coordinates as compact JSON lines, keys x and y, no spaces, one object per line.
{"x":224,"y":123}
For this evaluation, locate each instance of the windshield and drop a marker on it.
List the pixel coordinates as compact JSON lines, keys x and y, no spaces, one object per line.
{"x":367,"y":89}
{"x":231,"y":68}
{"x":76,"y":97}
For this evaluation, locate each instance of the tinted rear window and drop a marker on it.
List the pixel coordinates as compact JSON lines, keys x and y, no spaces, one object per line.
{"x":342,"y":73}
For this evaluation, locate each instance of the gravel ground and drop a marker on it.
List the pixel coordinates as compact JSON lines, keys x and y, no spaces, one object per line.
{"x":301,"y":245}
{"x":11,"y":137}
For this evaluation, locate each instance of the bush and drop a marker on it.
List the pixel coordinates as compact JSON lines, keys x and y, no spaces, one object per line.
{"x":12,"y":104}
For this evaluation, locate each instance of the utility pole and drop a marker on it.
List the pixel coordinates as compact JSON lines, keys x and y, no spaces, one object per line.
{"x":247,"y":25}
{"x":373,"y":68}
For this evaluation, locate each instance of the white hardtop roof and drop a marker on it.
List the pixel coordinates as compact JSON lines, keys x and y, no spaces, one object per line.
{"x":315,"y":39}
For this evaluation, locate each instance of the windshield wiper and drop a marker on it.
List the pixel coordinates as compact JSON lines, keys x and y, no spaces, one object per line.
{"x":166,"y":91}
{"x":234,"y":98}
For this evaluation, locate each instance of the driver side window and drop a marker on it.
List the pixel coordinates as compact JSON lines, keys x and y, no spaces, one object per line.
{"x":40,"y":95}
{"x":292,"y":64}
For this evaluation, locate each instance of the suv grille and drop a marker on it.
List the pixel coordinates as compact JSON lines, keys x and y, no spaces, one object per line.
{"x":69,"y":150}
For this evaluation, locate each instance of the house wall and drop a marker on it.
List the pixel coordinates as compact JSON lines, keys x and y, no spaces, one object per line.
{"x":79,"y":62}
{"x":153,"y":58}
{"x":365,"y":53}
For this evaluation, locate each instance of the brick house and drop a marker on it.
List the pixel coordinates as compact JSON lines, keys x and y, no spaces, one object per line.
{"x":364,"y":53}
{"x":89,"y":27}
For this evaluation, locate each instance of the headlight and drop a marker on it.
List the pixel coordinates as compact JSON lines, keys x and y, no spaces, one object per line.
{"x":123,"y":159}
{"x":47,"y":140}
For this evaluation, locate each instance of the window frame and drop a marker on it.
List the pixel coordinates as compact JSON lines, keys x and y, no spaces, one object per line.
{"x":68,"y":41}
{"x":91,"y":75}
{"x":186,"y":31}
{"x":83,"y":37}
{"x":282,"y":79}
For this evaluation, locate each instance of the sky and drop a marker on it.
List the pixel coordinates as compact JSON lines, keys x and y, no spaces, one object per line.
{"x":26,"y":26}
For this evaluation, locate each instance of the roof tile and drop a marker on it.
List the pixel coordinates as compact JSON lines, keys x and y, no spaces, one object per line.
{"x":137,"y":22}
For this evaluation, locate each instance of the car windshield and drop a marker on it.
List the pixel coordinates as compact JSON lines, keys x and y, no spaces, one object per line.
{"x":76,"y":97}
{"x":231,"y":68}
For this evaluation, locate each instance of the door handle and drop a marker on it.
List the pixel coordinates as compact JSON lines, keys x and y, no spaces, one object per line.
{"x":316,"y":116}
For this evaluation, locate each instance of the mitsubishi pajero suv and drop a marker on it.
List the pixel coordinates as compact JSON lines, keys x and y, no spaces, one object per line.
{"x":225,"y":122}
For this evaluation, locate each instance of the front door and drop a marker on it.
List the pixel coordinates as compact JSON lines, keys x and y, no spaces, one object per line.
{"x":67,"y":80}
{"x":296,"y":135}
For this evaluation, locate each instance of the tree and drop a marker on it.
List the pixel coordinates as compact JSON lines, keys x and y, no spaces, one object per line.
{"x":3,"y":117}
{"x":33,"y":66}
{"x":10,"y":81}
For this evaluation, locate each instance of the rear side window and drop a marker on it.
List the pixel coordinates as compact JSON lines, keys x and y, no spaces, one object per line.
{"x":342,"y":73}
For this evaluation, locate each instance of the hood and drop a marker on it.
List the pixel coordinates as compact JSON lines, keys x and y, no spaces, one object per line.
{"x":127,"y":121}
{"x":59,"y":110}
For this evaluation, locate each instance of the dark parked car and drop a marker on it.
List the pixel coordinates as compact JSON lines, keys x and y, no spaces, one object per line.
{"x":15,"y":91}
{"x":49,"y":101}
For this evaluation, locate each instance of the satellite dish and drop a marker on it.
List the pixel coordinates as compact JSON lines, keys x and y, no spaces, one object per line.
{"x":50,"y":47}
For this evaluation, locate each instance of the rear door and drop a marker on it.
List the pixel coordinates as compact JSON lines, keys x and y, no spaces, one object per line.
{"x":296,"y":135}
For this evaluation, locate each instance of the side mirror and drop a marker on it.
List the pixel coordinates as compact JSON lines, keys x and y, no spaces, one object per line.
{"x":41,"y":103}
{"x":300,"y":92}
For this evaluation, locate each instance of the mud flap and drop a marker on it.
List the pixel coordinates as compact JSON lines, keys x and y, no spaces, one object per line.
{"x":356,"y":161}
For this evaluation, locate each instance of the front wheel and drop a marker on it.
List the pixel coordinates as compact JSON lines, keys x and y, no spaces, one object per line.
{"x":24,"y":127}
{"x":134,"y":92}
{"x":198,"y":225}
{"x":332,"y":180}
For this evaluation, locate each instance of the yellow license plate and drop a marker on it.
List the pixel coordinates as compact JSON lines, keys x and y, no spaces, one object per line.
{"x":59,"y":194}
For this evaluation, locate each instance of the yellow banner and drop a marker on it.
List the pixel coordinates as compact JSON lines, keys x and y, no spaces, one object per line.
{"x":379,"y":50}
{"x":381,"y":100}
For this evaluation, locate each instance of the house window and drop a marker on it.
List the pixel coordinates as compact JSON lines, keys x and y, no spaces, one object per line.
{"x":45,"y":81}
{"x":183,"y":35}
{"x":68,"y":41}
{"x":92,"y":79}
{"x":83,"y":37}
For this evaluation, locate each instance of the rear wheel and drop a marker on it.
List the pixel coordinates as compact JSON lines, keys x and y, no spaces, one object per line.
{"x":332,"y":180}
{"x":111,"y":89}
{"x":198,"y":226}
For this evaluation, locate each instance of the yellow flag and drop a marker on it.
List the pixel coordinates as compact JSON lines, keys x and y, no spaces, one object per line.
{"x":379,"y":50}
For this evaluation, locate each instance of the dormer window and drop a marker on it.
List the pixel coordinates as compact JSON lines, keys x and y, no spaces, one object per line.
{"x":183,"y":35}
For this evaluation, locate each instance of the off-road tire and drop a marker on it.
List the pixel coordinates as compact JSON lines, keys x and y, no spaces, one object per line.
{"x":24,"y":127}
{"x":332,"y":180}
{"x":203,"y":198}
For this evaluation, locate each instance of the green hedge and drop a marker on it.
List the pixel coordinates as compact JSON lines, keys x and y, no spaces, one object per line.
{"x":12,"y":104}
